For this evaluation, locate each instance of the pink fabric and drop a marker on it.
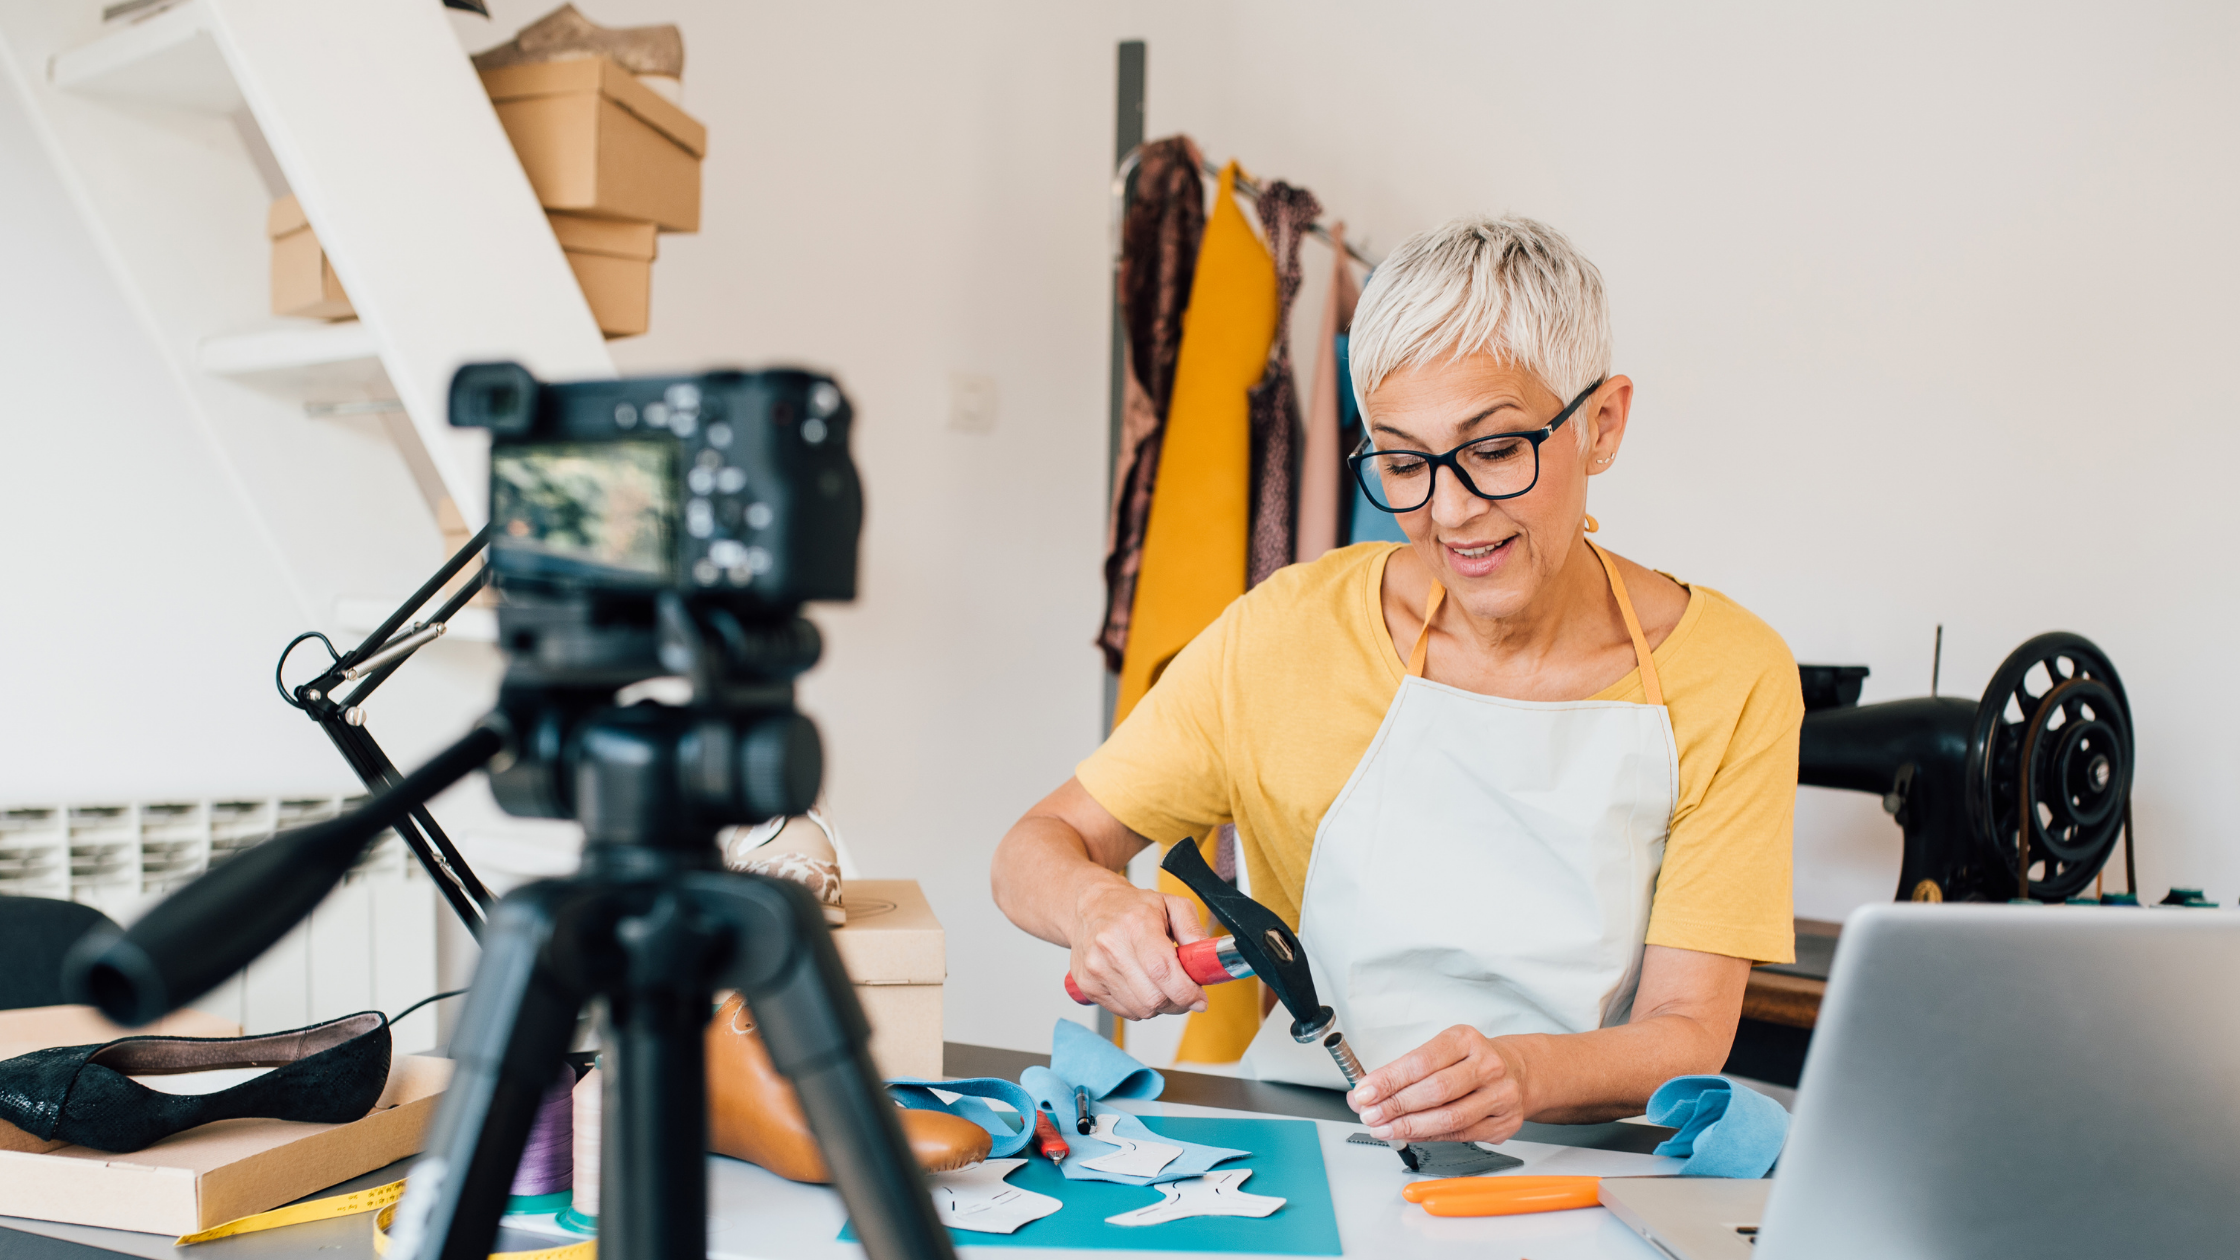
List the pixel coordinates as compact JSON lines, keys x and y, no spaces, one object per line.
{"x":1322,"y":472}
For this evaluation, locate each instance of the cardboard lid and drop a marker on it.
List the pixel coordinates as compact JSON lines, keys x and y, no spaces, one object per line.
{"x":891,"y":936}
{"x":617,"y":238}
{"x":601,"y":75}
{"x":285,"y":216}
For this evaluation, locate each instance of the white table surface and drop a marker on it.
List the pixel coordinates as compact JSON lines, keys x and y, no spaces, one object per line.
{"x":755,"y":1215}
{"x":758,"y":1216}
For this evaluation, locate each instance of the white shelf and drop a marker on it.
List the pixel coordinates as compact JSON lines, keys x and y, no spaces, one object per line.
{"x":308,"y":362}
{"x":167,"y":60}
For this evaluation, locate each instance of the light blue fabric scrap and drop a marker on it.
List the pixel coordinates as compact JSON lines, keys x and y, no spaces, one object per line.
{"x":1726,"y":1128}
{"x":1095,"y":1064}
{"x":918,"y":1094}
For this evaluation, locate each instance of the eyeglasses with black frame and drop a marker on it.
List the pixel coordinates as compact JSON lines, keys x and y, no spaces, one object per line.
{"x":1497,"y":466}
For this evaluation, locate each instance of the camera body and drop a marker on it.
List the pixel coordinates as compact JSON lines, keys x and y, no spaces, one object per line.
{"x":650,"y":526}
{"x":732,"y":484}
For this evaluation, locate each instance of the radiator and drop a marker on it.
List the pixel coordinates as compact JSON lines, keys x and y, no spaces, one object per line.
{"x":371,"y":945}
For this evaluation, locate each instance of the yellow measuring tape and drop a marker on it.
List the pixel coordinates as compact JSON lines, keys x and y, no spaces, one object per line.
{"x":379,"y":1199}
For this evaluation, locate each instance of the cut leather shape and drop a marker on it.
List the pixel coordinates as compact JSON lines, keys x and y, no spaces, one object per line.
{"x":1214,"y":1194}
{"x":1454,"y":1159}
{"x":1005,"y":1139}
{"x":979,"y":1199}
{"x":1052,"y":1090}
{"x":1135,"y":1158}
{"x":754,"y":1114}
{"x":330,"y":1073}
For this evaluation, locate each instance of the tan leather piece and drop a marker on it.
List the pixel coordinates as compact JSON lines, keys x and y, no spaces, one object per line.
{"x":754,"y":1115}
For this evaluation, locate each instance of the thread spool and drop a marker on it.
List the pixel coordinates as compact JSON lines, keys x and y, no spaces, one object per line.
{"x":541,"y":1180}
{"x":582,"y":1215}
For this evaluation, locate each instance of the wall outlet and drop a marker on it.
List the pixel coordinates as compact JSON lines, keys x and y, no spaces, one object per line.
{"x":972,"y":402}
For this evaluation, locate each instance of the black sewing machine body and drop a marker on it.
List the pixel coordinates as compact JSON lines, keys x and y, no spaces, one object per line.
{"x":2043,"y":759}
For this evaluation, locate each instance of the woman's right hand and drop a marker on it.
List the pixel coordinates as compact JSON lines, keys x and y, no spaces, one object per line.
{"x":1124,"y":940}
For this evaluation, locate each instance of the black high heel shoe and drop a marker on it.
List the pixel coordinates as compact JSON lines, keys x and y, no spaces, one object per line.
{"x":328,"y":1073}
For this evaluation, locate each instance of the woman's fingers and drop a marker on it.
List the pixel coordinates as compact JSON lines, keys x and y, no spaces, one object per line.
{"x":1442,"y":1051}
{"x":1491,"y":1114}
{"x":1183,"y":921}
{"x":1127,"y":963}
{"x":1443,"y":1086}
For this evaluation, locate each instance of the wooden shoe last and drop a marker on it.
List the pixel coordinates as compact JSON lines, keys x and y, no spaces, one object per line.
{"x":754,"y":1115}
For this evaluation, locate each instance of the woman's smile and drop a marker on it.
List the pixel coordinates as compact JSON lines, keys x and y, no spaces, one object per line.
{"x":1477,"y":560}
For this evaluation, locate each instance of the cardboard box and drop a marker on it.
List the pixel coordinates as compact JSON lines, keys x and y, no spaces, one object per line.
{"x":303,"y":281}
{"x":595,"y":141}
{"x":895,"y":951}
{"x":613,"y":262}
{"x":215,"y":1172}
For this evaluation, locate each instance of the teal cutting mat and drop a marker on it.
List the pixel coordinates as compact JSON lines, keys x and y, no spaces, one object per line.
{"x":1286,"y":1161}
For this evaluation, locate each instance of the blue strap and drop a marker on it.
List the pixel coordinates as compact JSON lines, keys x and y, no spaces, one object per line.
{"x":918,"y":1095}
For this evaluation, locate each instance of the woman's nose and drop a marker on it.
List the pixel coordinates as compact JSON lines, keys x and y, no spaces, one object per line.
{"x":1452,"y":504}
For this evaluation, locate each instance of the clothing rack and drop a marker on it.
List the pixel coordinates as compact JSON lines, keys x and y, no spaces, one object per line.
{"x":1245,"y":184}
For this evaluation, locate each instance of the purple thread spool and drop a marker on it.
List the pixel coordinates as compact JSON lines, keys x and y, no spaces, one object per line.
{"x":547,"y":1170}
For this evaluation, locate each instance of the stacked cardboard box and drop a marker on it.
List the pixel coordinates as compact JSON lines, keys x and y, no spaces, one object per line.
{"x":895,"y":952}
{"x":613,"y":163}
{"x":611,"y":160}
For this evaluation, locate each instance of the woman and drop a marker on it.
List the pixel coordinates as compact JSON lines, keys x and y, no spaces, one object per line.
{"x":1526,"y":802}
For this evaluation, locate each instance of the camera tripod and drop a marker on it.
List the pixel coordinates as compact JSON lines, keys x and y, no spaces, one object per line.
{"x":649,"y":927}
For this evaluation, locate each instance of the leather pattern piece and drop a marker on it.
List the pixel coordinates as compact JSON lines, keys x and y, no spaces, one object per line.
{"x":1454,"y":1159}
{"x":330,"y":1073}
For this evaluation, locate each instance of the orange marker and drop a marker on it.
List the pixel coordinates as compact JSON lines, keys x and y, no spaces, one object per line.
{"x":1503,"y":1196}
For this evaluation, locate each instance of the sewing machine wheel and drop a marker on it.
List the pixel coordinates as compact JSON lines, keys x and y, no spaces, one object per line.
{"x":2053,"y":751}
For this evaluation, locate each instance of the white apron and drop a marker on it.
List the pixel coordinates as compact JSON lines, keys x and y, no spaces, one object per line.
{"x":1489,"y":863}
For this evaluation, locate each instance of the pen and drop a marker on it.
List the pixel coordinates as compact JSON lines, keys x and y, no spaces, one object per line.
{"x":1081,"y":1121}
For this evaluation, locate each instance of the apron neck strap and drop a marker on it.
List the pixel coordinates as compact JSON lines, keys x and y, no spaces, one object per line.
{"x":1422,"y":648}
{"x":1652,"y":688}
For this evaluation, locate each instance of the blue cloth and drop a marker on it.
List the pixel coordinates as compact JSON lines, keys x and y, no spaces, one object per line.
{"x":1726,"y":1128}
{"x":918,"y":1094}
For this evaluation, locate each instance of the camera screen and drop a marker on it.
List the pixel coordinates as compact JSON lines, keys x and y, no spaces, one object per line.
{"x":608,"y":504}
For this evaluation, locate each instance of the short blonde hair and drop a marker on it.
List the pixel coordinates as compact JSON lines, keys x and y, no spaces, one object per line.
{"x":1511,"y":287}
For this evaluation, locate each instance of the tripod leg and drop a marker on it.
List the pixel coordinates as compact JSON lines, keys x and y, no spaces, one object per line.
{"x":653,"y":1158}
{"x":783,"y":960}
{"x":516,"y":1024}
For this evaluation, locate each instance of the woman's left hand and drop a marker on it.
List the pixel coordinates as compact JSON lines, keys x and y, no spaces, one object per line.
{"x":1460,"y":1086}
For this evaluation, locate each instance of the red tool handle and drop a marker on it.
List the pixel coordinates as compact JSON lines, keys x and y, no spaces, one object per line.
{"x":1211,"y":961}
{"x":1046,"y":1138}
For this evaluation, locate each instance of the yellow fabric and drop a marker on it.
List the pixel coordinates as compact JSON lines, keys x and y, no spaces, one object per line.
{"x":1261,"y":720}
{"x":1194,"y":542}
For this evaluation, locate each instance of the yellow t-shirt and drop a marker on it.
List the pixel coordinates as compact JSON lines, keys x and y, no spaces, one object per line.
{"x":1262,"y":718}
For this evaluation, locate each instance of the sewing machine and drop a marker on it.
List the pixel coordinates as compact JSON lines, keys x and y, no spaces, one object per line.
{"x":2030,"y":783}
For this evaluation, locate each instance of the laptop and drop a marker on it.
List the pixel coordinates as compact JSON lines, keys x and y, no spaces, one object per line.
{"x":1994,"y":1080}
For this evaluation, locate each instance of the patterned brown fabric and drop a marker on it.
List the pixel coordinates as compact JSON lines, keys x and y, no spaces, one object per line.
{"x":1158,"y":259}
{"x":1285,"y":214}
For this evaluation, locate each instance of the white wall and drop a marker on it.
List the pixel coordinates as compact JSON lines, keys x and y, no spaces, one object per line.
{"x":1921,"y":304}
